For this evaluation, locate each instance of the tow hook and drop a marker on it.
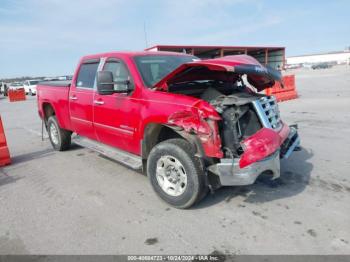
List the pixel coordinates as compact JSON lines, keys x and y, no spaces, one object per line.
{"x":297,"y":148}
{"x":294,"y":126}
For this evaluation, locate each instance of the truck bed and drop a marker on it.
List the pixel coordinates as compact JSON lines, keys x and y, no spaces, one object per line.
{"x":62,"y":83}
{"x":55,"y":94}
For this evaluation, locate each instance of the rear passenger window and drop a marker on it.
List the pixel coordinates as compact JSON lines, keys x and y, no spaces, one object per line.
{"x":87,"y":75}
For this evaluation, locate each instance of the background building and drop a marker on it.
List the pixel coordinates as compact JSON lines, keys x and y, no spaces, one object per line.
{"x":272,"y":56}
{"x":339,"y":57}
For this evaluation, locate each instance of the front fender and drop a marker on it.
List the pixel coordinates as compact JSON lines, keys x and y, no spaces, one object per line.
{"x":203,"y":125}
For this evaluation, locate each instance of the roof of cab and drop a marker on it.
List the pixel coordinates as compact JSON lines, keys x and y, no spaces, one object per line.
{"x":132,"y":54}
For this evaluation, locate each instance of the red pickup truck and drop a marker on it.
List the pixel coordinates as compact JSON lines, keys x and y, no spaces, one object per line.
{"x":191,"y":125}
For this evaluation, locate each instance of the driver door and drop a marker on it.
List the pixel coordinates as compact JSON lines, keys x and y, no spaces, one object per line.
{"x":114,"y":114}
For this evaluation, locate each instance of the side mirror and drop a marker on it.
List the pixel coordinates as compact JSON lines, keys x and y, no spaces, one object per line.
{"x":105,"y":83}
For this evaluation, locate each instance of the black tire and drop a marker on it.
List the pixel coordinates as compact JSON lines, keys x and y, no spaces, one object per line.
{"x":63,"y":140}
{"x":183,"y":151}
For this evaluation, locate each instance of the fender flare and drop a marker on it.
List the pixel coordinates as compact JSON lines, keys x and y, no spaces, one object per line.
{"x":147,"y":143}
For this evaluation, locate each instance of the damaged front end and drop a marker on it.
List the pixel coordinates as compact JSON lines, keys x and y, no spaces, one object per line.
{"x":240,"y":130}
{"x":261,"y":151}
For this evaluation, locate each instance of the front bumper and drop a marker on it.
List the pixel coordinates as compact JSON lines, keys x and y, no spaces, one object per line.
{"x":230,"y":174}
{"x":291,"y":144}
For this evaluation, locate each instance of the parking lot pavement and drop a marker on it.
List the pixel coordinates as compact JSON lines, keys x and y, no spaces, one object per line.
{"x":77,"y":202}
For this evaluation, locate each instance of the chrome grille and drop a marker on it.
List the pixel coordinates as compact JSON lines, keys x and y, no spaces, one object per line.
{"x":268,"y":112}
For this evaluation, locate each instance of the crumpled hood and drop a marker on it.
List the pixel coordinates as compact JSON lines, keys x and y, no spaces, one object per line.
{"x":223,"y":68}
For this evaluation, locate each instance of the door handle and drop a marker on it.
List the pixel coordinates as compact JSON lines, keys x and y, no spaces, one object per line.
{"x":98,"y":102}
{"x":73,"y":98}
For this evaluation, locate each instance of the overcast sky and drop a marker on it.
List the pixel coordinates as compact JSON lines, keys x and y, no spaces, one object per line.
{"x":47,"y":37}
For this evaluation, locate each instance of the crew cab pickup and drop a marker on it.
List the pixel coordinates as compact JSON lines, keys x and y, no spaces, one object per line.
{"x":191,"y":125}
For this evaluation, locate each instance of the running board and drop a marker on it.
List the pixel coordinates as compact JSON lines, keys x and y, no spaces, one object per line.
{"x":131,"y":160}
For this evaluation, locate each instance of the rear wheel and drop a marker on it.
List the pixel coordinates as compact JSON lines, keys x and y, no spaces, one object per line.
{"x":60,"y":138}
{"x":176,"y":175}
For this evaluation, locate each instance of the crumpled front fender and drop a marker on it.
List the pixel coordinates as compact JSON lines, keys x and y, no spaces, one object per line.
{"x":202,"y":121}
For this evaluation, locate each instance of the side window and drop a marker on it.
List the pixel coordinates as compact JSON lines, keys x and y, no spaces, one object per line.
{"x":120,"y":73}
{"x":87,"y":74}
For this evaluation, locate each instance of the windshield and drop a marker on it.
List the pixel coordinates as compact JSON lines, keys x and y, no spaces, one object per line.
{"x":154,"y":68}
{"x":33,"y":82}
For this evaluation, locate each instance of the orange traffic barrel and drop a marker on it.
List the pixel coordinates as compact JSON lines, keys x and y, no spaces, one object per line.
{"x":4,"y":151}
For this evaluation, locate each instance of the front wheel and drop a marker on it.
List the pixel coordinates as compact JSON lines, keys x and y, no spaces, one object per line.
{"x":176,"y":175}
{"x":60,"y":138}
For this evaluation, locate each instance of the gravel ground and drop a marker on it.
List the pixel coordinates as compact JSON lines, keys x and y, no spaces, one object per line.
{"x":78,"y":202}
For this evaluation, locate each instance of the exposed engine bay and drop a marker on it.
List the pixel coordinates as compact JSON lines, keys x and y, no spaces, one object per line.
{"x":239,"y":118}
{"x":246,"y":136}
{"x":243,"y":111}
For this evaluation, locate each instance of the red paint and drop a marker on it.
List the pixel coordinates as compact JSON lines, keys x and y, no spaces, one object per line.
{"x":262,"y":144}
{"x":122,"y":119}
{"x":223,"y":64}
{"x":200,"y":121}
